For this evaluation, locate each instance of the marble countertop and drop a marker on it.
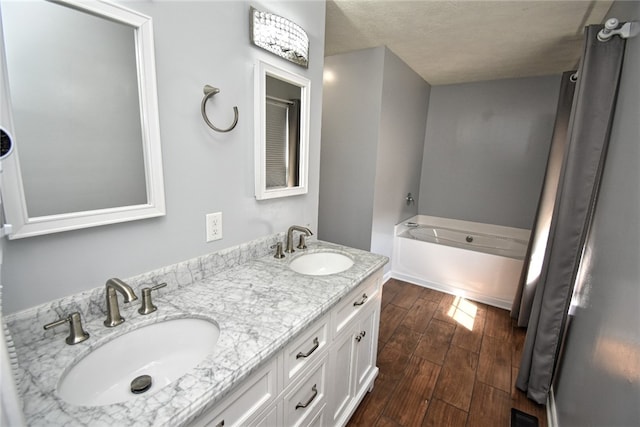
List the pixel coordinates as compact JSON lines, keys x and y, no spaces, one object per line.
{"x":259,"y":306}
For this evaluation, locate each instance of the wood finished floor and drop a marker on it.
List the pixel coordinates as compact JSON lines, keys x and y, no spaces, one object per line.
{"x":436,"y":372}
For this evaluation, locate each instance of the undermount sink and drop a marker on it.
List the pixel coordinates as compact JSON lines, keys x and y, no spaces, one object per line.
{"x":153,"y":355}
{"x":321,"y":263}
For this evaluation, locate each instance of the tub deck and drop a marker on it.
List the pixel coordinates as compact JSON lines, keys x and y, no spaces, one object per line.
{"x":486,"y":274}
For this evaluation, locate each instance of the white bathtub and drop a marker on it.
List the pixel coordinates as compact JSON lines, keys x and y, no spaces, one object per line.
{"x":481,"y":262}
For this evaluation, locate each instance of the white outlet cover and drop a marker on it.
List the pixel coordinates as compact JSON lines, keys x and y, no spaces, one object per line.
{"x":214,"y":226}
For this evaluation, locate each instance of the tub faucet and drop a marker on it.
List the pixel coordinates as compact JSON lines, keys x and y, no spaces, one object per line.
{"x":293,"y":228}
{"x":113,"y":311}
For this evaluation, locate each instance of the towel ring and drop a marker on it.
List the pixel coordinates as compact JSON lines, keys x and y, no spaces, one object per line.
{"x":209,"y":91}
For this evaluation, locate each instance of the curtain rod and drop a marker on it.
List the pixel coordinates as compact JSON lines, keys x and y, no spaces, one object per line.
{"x":629,"y":29}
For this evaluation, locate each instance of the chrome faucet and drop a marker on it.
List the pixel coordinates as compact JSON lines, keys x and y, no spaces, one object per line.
{"x":293,"y":228}
{"x":113,"y":311}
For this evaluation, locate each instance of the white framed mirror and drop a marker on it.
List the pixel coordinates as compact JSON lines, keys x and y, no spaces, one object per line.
{"x":79,"y":84}
{"x":282,"y":132}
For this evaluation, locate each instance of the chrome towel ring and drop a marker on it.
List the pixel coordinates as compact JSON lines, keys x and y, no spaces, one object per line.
{"x":209,"y":91}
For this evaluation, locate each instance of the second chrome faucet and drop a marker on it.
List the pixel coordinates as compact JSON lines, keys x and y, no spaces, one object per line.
{"x":113,"y":310}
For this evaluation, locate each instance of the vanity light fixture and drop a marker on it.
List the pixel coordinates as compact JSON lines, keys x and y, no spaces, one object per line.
{"x":280,"y":36}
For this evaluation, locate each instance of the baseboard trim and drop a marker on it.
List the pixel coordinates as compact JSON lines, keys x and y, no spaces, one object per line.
{"x":386,"y":277}
{"x":496,"y":302}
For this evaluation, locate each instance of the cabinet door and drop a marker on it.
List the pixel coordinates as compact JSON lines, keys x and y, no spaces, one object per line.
{"x":353,"y":364}
{"x":342,"y":358}
{"x":366,"y":344}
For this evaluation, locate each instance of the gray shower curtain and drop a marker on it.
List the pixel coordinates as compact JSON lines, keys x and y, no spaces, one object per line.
{"x":530,"y":276}
{"x":588,"y":138}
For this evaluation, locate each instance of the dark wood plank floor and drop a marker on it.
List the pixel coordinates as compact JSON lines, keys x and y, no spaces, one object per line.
{"x":444,"y":362}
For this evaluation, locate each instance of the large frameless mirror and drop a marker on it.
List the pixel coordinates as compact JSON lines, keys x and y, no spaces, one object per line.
{"x":282,"y":132}
{"x":79,"y":80}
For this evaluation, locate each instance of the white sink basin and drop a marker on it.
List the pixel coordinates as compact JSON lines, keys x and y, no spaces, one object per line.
{"x":165,"y":351}
{"x":321,"y":263}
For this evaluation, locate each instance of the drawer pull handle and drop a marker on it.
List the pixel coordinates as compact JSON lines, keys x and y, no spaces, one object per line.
{"x":361,"y":335}
{"x":362,"y":301}
{"x":316,"y":344}
{"x":314,"y":389}
{"x":220,"y":424}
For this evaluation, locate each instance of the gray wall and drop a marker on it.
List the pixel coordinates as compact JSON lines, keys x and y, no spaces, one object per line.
{"x":373,"y":121}
{"x":350,"y":134}
{"x":405,"y":99}
{"x":486,"y":148}
{"x":599,"y":378}
{"x":196,"y":43}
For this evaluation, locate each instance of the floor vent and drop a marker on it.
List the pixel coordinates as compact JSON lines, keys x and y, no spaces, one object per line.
{"x":522,"y":419}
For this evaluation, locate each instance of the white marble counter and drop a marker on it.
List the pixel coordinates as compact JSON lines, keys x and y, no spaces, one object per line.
{"x":258,"y":303}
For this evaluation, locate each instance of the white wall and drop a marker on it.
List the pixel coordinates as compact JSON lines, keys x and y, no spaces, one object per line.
{"x":373,"y":121}
{"x":405,"y":98}
{"x":486,"y":148}
{"x":599,"y":376}
{"x":197,"y":43}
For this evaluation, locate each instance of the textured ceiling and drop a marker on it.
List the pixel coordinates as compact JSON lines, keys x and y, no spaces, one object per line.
{"x":463,"y":41}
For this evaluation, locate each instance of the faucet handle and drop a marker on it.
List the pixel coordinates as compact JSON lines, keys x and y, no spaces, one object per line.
{"x":293,"y":228}
{"x":76,"y":333}
{"x":301,"y":243}
{"x":278,"y":247}
{"x":147,"y":306}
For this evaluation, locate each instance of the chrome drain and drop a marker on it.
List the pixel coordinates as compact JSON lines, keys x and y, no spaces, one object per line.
{"x":141,"y":384}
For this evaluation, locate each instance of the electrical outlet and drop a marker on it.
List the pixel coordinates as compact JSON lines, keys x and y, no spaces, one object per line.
{"x":214,"y":226}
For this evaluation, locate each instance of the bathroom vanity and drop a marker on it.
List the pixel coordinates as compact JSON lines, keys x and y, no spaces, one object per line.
{"x":293,"y":349}
{"x":317,"y":379}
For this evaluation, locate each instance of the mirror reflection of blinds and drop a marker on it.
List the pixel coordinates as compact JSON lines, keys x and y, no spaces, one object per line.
{"x":277,"y":142}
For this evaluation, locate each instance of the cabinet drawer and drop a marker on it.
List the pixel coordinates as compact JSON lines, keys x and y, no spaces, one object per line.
{"x":245,"y":402}
{"x":305,"y":398}
{"x":318,"y":419}
{"x":269,"y":418}
{"x":356,"y":301}
{"x":305,"y":350}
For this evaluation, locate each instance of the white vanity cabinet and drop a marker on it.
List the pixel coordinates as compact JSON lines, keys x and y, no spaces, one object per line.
{"x":319,"y":378}
{"x":353,"y":355}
